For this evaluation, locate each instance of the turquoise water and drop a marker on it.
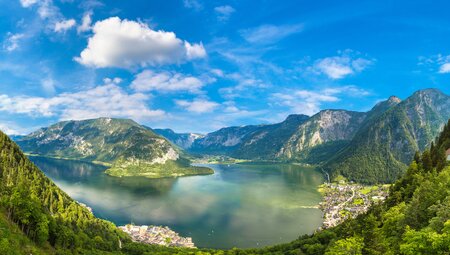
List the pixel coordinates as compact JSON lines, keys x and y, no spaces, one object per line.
{"x":239,"y":206}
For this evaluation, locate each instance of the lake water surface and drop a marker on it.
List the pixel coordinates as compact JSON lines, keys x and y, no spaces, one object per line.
{"x":241,"y":205}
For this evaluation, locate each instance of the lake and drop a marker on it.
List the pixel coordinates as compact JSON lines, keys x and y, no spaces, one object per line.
{"x":241,"y":205}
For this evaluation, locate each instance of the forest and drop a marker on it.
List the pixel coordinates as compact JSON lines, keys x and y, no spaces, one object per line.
{"x":39,"y":218}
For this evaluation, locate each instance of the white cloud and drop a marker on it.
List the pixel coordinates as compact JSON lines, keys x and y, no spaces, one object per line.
{"x":193,"y":4}
{"x":439,"y":62}
{"x":11,"y":42}
{"x":85,"y":23}
{"x":107,"y":100}
{"x":444,"y":68}
{"x":244,"y":83}
{"x":309,"y":102}
{"x":51,"y":15}
{"x":48,"y":85}
{"x":194,"y":51}
{"x":197,"y":105}
{"x":338,"y":67}
{"x":28,"y":3}
{"x":224,"y":12}
{"x":64,"y":25}
{"x":267,"y":34}
{"x":166,"y":82}
{"x":126,"y":44}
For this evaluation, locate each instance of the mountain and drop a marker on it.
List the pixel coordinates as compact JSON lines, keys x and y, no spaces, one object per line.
{"x":298,"y":138}
{"x":414,"y":219}
{"x":265,"y":143}
{"x":36,"y":217}
{"x":328,"y":129}
{"x":384,"y":145}
{"x":127,"y":147}
{"x":182,"y":140}
{"x":223,"y":141}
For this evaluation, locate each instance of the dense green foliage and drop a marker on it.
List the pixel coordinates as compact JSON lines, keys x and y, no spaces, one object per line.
{"x":45,"y":213}
{"x":415,"y":219}
{"x":171,"y":168}
{"x":129,"y":148}
{"x":386,"y":143}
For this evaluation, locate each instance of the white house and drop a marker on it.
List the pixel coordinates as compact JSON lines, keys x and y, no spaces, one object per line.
{"x":447,"y":153}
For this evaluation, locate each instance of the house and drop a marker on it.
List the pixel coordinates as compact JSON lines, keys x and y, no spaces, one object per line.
{"x":447,"y":154}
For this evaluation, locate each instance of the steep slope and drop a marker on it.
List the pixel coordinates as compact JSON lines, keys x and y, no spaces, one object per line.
{"x":43,"y":212}
{"x":129,"y":148}
{"x":267,"y":141}
{"x":386,"y":143}
{"x":415,"y":219}
{"x":223,"y":141}
{"x":183,"y":140}
{"x":326,"y":131}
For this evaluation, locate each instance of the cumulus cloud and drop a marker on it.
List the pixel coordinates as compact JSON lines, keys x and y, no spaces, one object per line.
{"x":338,"y":67}
{"x":11,"y":42}
{"x":197,"y":105}
{"x":85,"y":23}
{"x":126,"y":44}
{"x":224,"y":12}
{"x":309,"y":102}
{"x":10,"y":128}
{"x":28,"y":3}
{"x":444,"y":68}
{"x":267,"y":34}
{"x":64,"y":25}
{"x":106,"y":100}
{"x":166,"y":82}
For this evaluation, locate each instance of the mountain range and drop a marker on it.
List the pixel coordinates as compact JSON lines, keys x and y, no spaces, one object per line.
{"x":367,"y":147}
{"x":128,"y":148}
{"x":37,"y":217}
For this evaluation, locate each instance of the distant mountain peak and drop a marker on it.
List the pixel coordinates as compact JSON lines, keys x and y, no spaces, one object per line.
{"x":428,"y":92}
{"x":394,"y":100}
{"x":296,"y":117}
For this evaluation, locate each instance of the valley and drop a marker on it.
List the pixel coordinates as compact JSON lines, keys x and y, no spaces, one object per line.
{"x":240,"y":205}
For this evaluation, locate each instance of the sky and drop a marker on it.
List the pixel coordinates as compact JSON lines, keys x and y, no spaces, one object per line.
{"x":197,"y":65}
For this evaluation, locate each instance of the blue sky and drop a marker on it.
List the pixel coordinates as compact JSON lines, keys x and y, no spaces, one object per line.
{"x":197,"y":65}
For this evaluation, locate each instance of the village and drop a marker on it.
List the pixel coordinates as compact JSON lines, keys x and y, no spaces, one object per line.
{"x":344,"y":200}
{"x":157,"y":235}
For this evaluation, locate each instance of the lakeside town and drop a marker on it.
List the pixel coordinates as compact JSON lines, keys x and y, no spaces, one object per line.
{"x":344,"y":200}
{"x":157,"y":235}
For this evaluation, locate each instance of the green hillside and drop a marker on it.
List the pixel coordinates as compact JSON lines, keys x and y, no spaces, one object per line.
{"x":127,"y":147}
{"x":385,"y":144}
{"x":37,"y":217}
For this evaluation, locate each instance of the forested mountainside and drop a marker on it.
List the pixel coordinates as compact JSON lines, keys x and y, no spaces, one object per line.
{"x":382,"y":148}
{"x":38,"y":218}
{"x":183,"y":140}
{"x":415,"y":219}
{"x":127,"y":147}
{"x":298,"y":138}
{"x":367,"y":147}
{"x":49,"y":219}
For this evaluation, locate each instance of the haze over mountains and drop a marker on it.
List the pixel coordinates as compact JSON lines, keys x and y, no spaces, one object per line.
{"x":370,"y":147}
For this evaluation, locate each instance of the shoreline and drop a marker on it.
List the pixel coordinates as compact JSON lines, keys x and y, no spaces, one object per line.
{"x":158,"y":235}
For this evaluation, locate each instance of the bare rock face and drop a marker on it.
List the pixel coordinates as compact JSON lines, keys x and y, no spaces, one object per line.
{"x":326,"y":126}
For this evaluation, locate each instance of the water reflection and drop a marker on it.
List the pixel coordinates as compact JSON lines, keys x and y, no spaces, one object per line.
{"x":238,"y":206}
